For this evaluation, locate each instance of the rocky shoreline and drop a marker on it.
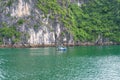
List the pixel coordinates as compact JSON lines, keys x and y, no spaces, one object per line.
{"x":53,"y":45}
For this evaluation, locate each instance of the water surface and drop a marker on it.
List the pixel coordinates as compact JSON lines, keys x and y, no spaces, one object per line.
{"x":77,"y":63}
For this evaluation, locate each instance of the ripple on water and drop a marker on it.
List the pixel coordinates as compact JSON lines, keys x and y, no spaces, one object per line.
{"x":84,"y":63}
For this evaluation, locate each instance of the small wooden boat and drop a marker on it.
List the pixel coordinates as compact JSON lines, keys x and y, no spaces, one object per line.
{"x":61,"y":48}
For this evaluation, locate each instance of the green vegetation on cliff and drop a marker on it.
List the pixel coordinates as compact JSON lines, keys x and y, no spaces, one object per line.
{"x":9,"y":34}
{"x":59,"y":11}
{"x":94,"y":20}
{"x":101,"y":18}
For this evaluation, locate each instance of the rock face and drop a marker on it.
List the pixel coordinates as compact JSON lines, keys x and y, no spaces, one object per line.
{"x":22,"y":9}
{"x":36,"y":28}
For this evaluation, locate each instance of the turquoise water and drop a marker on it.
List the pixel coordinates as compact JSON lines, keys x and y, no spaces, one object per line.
{"x":77,"y":63}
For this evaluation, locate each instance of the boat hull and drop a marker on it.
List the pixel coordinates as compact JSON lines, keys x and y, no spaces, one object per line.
{"x":62,"y":48}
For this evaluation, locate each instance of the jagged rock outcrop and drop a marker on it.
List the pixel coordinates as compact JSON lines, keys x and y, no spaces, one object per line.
{"x":22,"y":9}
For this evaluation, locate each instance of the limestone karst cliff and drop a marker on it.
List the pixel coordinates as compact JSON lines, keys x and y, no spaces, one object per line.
{"x":54,"y":22}
{"x":34,"y":27}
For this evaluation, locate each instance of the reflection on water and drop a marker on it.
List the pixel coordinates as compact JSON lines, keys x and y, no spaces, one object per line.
{"x":45,"y":51}
{"x":77,"y":63}
{"x":39,"y":51}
